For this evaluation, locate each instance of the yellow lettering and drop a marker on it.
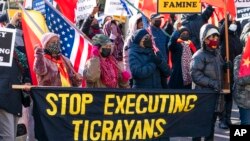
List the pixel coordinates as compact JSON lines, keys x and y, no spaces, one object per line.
{"x":64,"y":102}
{"x":128,"y":126}
{"x":95,"y":135}
{"x":51,"y":98}
{"x":75,"y":101}
{"x":163,"y":102}
{"x":86,"y":99}
{"x":159,"y":125}
{"x":137,"y":131}
{"x":189,"y":106}
{"x":148,"y":128}
{"x":120,"y":104}
{"x":107,"y":127}
{"x":85,"y":130}
{"x":118,"y":132}
{"x":130,"y":104}
{"x":179,"y":103}
{"x":77,"y":124}
{"x":138,"y":104}
{"x":153,"y":106}
{"x":108,"y":104}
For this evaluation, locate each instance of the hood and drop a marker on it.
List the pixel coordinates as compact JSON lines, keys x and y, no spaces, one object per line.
{"x":207,"y":30}
{"x":133,"y":23}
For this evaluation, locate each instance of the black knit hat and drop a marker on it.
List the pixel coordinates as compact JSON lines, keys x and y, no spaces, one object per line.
{"x":138,"y":35}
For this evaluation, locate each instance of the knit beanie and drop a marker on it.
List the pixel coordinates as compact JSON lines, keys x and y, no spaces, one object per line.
{"x":46,"y":37}
{"x":138,"y":35}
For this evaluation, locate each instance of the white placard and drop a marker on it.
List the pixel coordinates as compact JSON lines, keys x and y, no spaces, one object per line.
{"x":242,"y":3}
{"x":84,"y":8}
{"x":7,"y":43}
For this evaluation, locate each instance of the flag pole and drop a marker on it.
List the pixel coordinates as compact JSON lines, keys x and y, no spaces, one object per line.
{"x":138,"y":10}
{"x":32,"y":20}
{"x":227,"y":45}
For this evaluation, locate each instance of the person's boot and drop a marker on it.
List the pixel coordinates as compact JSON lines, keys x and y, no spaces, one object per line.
{"x":223,"y":125}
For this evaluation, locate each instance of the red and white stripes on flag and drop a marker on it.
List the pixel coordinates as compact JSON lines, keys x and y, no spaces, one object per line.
{"x":74,"y":44}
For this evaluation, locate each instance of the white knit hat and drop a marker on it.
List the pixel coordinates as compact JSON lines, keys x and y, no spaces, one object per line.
{"x":46,"y":37}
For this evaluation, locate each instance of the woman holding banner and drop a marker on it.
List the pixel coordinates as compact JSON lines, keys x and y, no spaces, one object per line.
{"x":102,"y":69}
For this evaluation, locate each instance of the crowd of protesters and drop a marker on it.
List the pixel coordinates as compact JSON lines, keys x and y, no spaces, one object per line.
{"x":186,"y":53}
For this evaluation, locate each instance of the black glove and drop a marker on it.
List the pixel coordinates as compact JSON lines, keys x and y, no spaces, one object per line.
{"x":210,"y":8}
{"x":157,"y":60}
{"x":228,"y":65}
{"x":214,"y":84}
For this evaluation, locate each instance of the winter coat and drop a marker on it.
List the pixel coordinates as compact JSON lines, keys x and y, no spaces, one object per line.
{"x":92,"y":74}
{"x":235,"y":48}
{"x":161,"y":40}
{"x":241,"y":92}
{"x":176,"y":49}
{"x":145,"y":73}
{"x":128,"y":42}
{"x":86,"y":28}
{"x":47,"y":72}
{"x":10,"y":99}
{"x":194,"y":22}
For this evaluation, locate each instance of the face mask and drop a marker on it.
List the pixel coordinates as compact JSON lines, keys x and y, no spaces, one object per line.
{"x":147,"y":43}
{"x":53,"y":48}
{"x":105,"y":52}
{"x":157,"y":23}
{"x":95,"y":26}
{"x":184,"y":37}
{"x":233,"y":27}
{"x":213,"y":44}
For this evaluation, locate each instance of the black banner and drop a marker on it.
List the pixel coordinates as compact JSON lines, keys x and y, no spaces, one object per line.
{"x":68,"y":114}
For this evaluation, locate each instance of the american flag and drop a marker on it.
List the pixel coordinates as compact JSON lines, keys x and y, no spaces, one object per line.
{"x":73,"y":44}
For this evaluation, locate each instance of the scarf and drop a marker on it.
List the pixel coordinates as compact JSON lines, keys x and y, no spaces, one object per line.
{"x":62,"y":70}
{"x":186,"y":60}
{"x":21,"y":60}
{"x":109,"y":72}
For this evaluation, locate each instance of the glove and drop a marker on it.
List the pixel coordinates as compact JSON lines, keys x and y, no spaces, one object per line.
{"x":228,"y":65}
{"x":156,"y":59}
{"x":125,"y":76}
{"x":215,"y":85}
{"x":210,"y":8}
{"x":95,"y":51}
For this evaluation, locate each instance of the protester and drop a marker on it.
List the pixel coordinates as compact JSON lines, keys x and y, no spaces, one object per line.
{"x":235,"y":48}
{"x":207,"y":69}
{"x":135,"y":23}
{"x":145,"y":65}
{"x":160,"y":39}
{"x":107,"y":18}
{"x":90,"y":26}
{"x":114,"y":33}
{"x":102,"y":69}
{"x":10,"y":99}
{"x":194,"y":23}
{"x":51,"y":67}
{"x":242,"y":85}
{"x":181,"y":49}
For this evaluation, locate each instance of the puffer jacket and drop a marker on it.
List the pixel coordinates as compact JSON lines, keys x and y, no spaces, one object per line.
{"x":241,"y":92}
{"x":145,"y":73}
{"x":207,"y":70}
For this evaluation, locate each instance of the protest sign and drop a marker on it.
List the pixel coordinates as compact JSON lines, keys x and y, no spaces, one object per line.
{"x":7,"y":42}
{"x":69,"y":114}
